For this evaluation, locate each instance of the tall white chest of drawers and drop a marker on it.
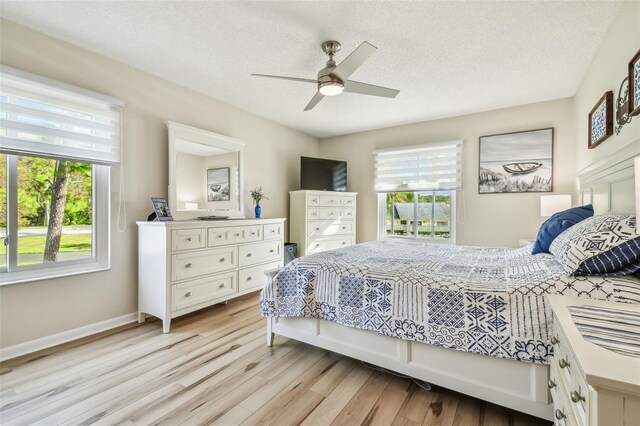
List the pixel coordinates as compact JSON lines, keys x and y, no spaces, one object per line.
{"x":322,"y":220}
{"x":186,"y":266}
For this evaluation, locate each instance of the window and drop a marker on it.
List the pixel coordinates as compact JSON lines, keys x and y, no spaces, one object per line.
{"x":416,"y":190}
{"x":58,"y":142}
{"x":411,"y":214}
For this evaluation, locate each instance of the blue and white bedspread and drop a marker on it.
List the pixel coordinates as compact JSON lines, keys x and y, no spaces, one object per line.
{"x":484,"y":300}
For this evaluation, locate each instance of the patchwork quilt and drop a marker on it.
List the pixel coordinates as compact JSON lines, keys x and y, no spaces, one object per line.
{"x":488,"y":301}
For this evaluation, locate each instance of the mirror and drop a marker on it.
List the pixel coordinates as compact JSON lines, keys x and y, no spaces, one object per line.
{"x":205,"y":173}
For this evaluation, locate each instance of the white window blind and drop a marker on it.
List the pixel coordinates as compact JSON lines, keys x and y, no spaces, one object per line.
{"x":432,"y":167}
{"x":47,"y":118}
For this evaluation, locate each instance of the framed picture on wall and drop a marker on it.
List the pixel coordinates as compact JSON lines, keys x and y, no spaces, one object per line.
{"x":218,"y":184}
{"x":516,"y":162}
{"x":601,"y":120}
{"x":634,"y":85}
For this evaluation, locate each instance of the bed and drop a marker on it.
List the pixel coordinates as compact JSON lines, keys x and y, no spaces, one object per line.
{"x":472,"y":319}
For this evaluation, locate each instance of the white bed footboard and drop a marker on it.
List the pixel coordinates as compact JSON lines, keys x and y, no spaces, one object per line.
{"x":521,"y":386}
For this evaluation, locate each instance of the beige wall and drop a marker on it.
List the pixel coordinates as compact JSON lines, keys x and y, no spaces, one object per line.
{"x":272,"y":151}
{"x":606,"y":72}
{"x":489,"y":219}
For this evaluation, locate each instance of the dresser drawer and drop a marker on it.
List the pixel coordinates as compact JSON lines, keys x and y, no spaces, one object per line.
{"x":191,"y":293}
{"x":195,"y":264}
{"x":260,"y":252}
{"x":348,"y":213}
{"x":217,"y":237}
{"x":330,"y":200}
{"x":324,"y":213}
{"x":313,"y":200}
{"x":273,"y":230}
{"x":318,"y":246}
{"x":254,"y":277}
{"x":348,"y":200}
{"x":244,"y":234}
{"x":187,"y":239}
{"x":319,"y":229}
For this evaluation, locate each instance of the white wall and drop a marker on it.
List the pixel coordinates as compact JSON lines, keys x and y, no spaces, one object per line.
{"x":608,"y":69}
{"x":490,"y":219}
{"x":272,"y":156}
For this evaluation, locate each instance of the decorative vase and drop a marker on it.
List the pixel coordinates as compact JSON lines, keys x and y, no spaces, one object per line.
{"x":258,"y":211}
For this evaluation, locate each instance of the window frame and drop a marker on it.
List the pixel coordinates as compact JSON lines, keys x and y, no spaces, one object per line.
{"x":101,"y":236}
{"x":382,"y":221}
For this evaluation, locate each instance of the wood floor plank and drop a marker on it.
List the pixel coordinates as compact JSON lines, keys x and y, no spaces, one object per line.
{"x":442,"y":409}
{"x":391,"y":400}
{"x":214,"y":367}
{"x":416,"y":404}
{"x":334,"y":403}
{"x":358,"y":409}
{"x":470,"y":411}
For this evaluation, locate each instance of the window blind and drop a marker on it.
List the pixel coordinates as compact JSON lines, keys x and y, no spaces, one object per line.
{"x":47,"y":118}
{"x":432,"y":167}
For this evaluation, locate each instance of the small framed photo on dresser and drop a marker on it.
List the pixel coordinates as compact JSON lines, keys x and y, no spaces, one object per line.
{"x":161,"y":209}
{"x":634,"y":85}
{"x":601,"y":120}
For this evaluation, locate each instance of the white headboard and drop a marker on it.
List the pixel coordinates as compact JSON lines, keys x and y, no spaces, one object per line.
{"x":609,"y":184}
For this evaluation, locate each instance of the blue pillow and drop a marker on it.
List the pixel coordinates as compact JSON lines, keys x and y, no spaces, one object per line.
{"x":557,"y":224}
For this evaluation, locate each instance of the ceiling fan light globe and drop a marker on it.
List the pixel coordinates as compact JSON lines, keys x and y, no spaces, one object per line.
{"x":331,"y":88}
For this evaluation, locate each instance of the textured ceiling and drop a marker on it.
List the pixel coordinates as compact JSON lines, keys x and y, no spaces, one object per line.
{"x":447,"y":58}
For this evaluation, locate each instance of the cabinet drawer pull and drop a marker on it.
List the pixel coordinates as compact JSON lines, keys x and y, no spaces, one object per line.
{"x":317,"y":229}
{"x":563,"y":363}
{"x":237,"y":235}
{"x":188,"y":238}
{"x":221,"y":285}
{"x":222,"y":259}
{"x":344,"y":243}
{"x":253,"y":233}
{"x":188,"y":265}
{"x":344,"y":227}
{"x":248,"y":278}
{"x":318,"y":245}
{"x":188,"y":294}
{"x":559,"y":414}
{"x":576,"y":397}
{"x":271,"y":251}
{"x":551,"y":384}
{"x":248,"y":254}
{"x":554,"y":340}
{"x":273,"y":231}
{"x":219,"y":235}
{"x":331,"y":201}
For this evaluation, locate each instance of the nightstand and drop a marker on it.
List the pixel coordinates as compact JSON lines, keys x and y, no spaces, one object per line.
{"x":526,"y":242}
{"x":590,"y":384}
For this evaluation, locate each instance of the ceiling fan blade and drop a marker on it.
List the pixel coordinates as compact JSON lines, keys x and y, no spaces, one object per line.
{"x":303,"y":80}
{"x":314,"y":101}
{"x":369,"y":89}
{"x":352,"y":62}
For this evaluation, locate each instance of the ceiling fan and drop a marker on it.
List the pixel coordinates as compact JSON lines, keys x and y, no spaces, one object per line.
{"x":333,"y":79}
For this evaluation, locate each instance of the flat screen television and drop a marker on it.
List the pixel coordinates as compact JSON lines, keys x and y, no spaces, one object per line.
{"x":324,"y":175}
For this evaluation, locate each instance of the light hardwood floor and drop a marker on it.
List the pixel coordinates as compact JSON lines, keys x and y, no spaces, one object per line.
{"x":214,"y":368}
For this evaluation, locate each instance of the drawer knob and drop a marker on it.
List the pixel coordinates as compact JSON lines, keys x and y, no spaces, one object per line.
{"x":332,"y":201}
{"x":559,"y":414}
{"x":344,"y":242}
{"x":551,"y":384}
{"x":273,"y":231}
{"x":344,"y":227}
{"x":563,"y":363}
{"x":221,"y":285}
{"x":188,"y":294}
{"x":237,"y":235}
{"x":318,"y":245}
{"x":188,"y":238}
{"x":222,"y":259}
{"x":248,"y":278}
{"x":248,"y":254}
{"x":271,"y":251}
{"x":219,"y":235}
{"x":317,"y":229}
{"x":576,"y":397}
{"x":554,"y":340}
{"x":253,"y":233}
{"x":314,"y":214}
{"x":188,"y":265}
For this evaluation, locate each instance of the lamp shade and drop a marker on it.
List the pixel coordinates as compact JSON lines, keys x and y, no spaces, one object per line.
{"x":552,"y":204}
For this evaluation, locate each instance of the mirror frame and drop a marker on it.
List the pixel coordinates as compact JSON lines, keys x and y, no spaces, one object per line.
{"x":178,"y":132}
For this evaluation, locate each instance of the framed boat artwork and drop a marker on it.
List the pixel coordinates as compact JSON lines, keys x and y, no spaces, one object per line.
{"x":516,"y":162}
{"x":601,"y":120}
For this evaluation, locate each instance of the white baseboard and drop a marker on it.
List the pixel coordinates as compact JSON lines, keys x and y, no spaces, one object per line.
{"x":65,"y":336}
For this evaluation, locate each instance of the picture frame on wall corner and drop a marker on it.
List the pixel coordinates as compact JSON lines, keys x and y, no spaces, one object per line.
{"x":601,"y":120}
{"x":634,"y":84}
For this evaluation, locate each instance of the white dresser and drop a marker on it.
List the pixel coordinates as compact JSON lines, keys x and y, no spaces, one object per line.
{"x":322,"y":220}
{"x":188,"y":265}
{"x":589,"y":384}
